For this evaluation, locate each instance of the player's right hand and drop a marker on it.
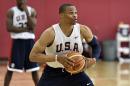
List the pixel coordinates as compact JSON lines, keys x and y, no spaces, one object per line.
{"x":65,"y":61}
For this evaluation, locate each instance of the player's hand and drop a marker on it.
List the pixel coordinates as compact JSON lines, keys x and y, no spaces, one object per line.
{"x":89,"y":62}
{"x":25,"y":29}
{"x":65,"y":61}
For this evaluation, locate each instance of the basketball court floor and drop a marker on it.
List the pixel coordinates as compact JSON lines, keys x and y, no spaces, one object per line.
{"x":102,"y":74}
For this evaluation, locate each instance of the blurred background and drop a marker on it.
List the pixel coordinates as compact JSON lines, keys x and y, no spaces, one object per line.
{"x":108,"y":19}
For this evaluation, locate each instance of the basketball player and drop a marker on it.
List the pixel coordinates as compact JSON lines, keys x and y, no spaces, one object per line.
{"x":21,"y":21}
{"x":59,"y":39}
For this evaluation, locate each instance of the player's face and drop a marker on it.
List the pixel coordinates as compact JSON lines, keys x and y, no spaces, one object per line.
{"x":71,"y":14}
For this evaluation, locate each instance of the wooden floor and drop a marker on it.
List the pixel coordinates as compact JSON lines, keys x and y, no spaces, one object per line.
{"x":102,"y":74}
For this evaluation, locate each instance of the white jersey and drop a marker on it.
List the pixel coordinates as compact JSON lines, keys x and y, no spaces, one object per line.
{"x":20,"y":20}
{"x":63,"y":44}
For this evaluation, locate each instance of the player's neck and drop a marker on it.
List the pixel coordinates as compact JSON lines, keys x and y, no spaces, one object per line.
{"x":20,"y":8}
{"x":66,"y":26}
{"x":66,"y":29}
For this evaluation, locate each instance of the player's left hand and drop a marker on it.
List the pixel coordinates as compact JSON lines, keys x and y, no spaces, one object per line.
{"x":89,"y":62}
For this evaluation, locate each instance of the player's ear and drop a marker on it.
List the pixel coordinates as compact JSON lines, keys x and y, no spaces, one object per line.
{"x":62,"y":15}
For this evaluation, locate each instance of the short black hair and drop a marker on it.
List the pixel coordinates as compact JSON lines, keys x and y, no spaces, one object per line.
{"x":62,"y":8}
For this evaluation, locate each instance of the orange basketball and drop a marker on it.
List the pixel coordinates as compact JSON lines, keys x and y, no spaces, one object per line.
{"x":79,"y":62}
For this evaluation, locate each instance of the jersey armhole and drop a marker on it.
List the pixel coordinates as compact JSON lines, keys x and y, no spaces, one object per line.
{"x":52,"y":40}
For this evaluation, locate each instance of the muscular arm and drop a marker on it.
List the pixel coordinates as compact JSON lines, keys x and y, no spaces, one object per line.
{"x":37,"y":54}
{"x":86,"y":33}
{"x":9,"y":24}
{"x":90,"y":39}
{"x":31,"y":23}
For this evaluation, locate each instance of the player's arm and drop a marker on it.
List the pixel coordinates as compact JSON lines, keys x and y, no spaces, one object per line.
{"x":37,"y":54}
{"x":31,"y":23}
{"x":92,"y":41}
{"x":10,"y":26}
{"x":31,"y":19}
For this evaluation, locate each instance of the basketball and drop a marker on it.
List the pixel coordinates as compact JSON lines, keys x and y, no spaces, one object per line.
{"x":79,"y":62}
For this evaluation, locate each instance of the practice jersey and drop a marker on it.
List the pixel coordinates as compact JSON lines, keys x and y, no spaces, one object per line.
{"x":20,"y":20}
{"x":63,"y":44}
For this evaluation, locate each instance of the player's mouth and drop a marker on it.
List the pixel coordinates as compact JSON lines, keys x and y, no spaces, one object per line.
{"x":75,"y":20}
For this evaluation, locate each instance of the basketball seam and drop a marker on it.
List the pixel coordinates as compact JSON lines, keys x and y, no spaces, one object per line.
{"x":74,"y":56}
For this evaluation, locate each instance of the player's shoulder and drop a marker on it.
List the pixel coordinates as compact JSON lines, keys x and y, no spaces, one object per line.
{"x":49,"y":31}
{"x":13,"y":8}
{"x":31,"y":8}
{"x":32,"y":11}
{"x":48,"y":35}
{"x":10,"y":11}
{"x":86,"y":32}
{"x":84,"y":27}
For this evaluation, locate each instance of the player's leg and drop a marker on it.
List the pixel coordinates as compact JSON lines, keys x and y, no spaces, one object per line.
{"x":15,"y":63}
{"x":8,"y":77}
{"x":35,"y":77}
{"x":31,"y":66}
{"x":53,"y":77}
{"x":81,"y":79}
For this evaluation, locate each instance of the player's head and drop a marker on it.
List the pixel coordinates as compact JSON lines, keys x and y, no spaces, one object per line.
{"x":20,"y":2}
{"x":68,"y":13}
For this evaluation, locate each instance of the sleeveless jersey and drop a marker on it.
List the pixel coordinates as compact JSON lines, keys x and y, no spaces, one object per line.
{"x":20,"y":20}
{"x":63,"y":44}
